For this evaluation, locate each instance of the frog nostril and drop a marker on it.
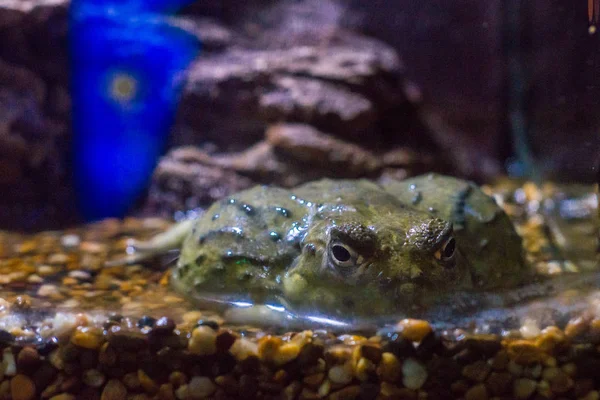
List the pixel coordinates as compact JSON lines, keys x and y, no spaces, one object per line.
{"x":310,"y":249}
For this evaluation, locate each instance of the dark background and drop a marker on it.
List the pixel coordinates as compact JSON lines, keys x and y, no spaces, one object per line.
{"x":417,"y":86}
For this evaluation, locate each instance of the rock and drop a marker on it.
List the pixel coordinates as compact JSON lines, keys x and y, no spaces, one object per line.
{"x":88,"y":338}
{"x":390,"y":368}
{"x":478,"y":371}
{"x":114,"y":390}
{"x":312,"y":147}
{"x":28,"y":359}
{"x":414,"y":330}
{"x":203,"y":341}
{"x":201,"y":387}
{"x":340,"y":374}
{"x":414,"y":374}
{"x":523,"y":388}
{"x":22,"y":388}
{"x":477,"y":392}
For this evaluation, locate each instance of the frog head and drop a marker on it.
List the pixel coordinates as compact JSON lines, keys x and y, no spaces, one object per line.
{"x":376,"y":261}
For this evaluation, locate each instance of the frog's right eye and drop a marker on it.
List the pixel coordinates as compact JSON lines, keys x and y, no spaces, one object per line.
{"x":342,"y":255}
{"x":447,"y":251}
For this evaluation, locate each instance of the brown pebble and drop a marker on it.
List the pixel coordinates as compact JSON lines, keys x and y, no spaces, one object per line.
{"x":28,"y":359}
{"x":114,"y":390}
{"x":88,"y":338}
{"x":499,"y":361}
{"x":166,"y":392}
{"x":414,"y":329}
{"x":163,"y":325}
{"x":549,"y":339}
{"x":22,"y":388}
{"x":371,"y":352}
{"x":476,"y":371}
{"x":126,"y":340}
{"x":177,"y":379}
{"x":347,"y":393}
{"x":63,"y":396}
{"x":499,"y":383}
{"x":390,"y":368}
{"x":310,"y":354}
{"x":477,"y":392}
{"x":576,"y":327}
{"x":314,"y":381}
{"x":524,"y":352}
{"x":225,"y":339}
{"x":107,"y":355}
{"x":268,"y":347}
{"x":147,"y":383}
{"x":132,"y":381}
{"x":389,"y":391}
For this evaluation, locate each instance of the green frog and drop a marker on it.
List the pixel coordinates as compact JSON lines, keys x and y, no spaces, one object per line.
{"x":347,"y":247}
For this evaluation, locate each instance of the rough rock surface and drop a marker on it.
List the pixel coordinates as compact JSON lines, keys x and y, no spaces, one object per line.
{"x":286,"y":91}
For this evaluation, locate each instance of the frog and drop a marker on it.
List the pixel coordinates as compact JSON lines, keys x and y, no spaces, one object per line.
{"x":347,"y":247}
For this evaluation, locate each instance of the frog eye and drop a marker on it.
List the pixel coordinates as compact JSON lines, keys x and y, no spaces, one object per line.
{"x":342,"y":255}
{"x":447,"y":251}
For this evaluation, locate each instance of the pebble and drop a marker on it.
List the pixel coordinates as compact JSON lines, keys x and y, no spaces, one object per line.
{"x":530,"y":329}
{"x":477,"y":371}
{"x":524,"y":352}
{"x":203,"y":341}
{"x":122,"y":339}
{"x":477,"y":392}
{"x":523,"y":388}
{"x":70,"y":240}
{"x":9,"y":366}
{"x":48,"y":290}
{"x":22,"y":388}
{"x":88,"y":338}
{"x":201,"y":387}
{"x":63,"y":396}
{"x":114,"y":390}
{"x":349,"y":392}
{"x":499,"y":383}
{"x":414,"y":374}
{"x":414,"y":329}
{"x":389,"y":368}
{"x":210,"y":323}
{"x":164,"y":325}
{"x":576,"y":327}
{"x":93,"y":378}
{"x":549,"y":339}
{"x":340,"y":374}
{"x":28,"y":359}
{"x":146,"y":382}
{"x":286,"y":353}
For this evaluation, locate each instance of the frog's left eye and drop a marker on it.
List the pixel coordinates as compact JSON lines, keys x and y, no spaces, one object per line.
{"x":342,"y":255}
{"x":447,"y":251}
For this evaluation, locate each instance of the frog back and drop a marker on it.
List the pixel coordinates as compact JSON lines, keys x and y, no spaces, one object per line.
{"x":243,"y":241}
{"x":485,"y":235}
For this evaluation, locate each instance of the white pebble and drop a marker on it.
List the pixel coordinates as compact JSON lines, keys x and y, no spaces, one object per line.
{"x":530,"y":329}
{"x":414,"y":374}
{"x":341,"y":374}
{"x":77,"y":274}
{"x":70,"y":240}
{"x":8,"y":362}
{"x":201,"y":387}
{"x":47,"y":290}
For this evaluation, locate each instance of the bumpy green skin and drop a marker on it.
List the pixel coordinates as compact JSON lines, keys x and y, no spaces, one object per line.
{"x":269,"y":242}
